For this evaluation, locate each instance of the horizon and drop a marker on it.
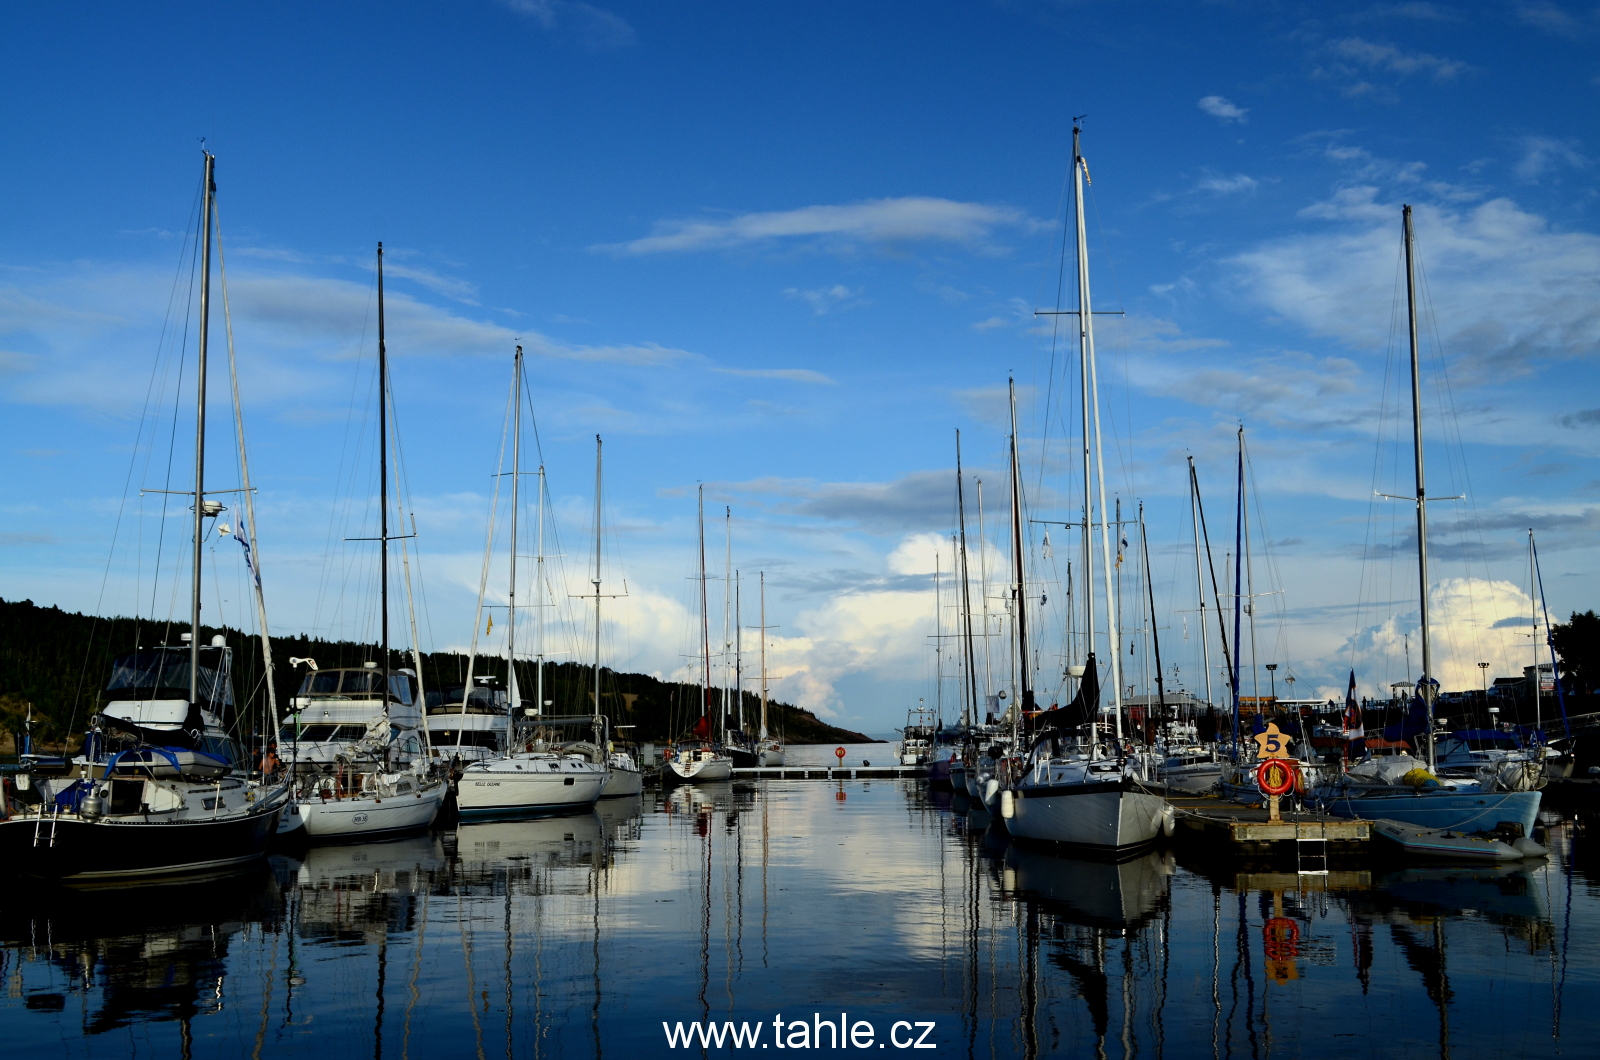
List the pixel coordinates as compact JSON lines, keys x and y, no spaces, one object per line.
{"x":785,"y":254}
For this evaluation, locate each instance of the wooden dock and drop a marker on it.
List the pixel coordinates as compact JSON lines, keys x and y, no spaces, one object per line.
{"x":828,"y":772}
{"x":1247,"y":830}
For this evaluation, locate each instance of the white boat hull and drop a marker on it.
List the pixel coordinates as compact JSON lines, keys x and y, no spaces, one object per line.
{"x":1109,"y":816}
{"x":499,"y":788}
{"x":369,"y":814}
{"x":770,"y":757}
{"x":622,"y":783}
{"x":697,"y":770}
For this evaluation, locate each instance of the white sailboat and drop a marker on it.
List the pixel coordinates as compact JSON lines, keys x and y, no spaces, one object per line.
{"x":381,"y":782}
{"x":535,"y":780}
{"x":1076,"y":791}
{"x":695,"y":758}
{"x":769,"y":749}
{"x":1373,"y":789}
{"x":624,"y":778}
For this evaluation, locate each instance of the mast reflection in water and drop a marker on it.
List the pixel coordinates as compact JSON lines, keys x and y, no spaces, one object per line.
{"x":579,"y":936}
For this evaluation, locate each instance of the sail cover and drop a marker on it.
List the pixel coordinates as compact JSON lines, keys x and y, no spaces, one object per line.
{"x":1083,"y":708}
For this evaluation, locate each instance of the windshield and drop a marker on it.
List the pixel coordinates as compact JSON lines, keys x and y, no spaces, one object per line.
{"x":321,"y":733}
{"x":163,"y":673}
{"x":361,"y":682}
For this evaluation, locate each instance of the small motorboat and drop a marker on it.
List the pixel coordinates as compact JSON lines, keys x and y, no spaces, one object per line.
{"x":1457,"y":845}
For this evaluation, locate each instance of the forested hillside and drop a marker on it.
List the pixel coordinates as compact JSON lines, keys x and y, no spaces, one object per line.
{"x":59,"y":661}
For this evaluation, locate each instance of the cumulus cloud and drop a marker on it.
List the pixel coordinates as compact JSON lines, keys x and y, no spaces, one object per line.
{"x":1471,"y":620}
{"x":914,"y":219}
{"x":1220,"y":107}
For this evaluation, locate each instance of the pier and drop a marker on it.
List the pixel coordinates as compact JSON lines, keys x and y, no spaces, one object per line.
{"x":1249,"y":830}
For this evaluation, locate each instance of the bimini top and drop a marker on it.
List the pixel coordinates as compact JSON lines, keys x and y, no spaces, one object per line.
{"x":163,"y":673}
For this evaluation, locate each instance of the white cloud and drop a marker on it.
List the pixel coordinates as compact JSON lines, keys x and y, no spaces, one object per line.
{"x":1224,"y":185}
{"x":793,"y":375}
{"x":1463,"y":614}
{"x":1542,"y":155}
{"x":1220,"y":107}
{"x":595,"y":27}
{"x":1389,"y":59}
{"x":1507,"y":289}
{"x":913,"y":219}
{"x":824,"y":300}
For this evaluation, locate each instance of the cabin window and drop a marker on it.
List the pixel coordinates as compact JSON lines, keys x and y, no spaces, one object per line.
{"x":126,"y":796}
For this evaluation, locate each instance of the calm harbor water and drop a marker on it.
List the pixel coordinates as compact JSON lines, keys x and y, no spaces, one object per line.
{"x":579,"y":936}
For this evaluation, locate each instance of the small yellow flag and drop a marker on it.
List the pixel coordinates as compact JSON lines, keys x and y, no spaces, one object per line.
{"x":491,"y":626}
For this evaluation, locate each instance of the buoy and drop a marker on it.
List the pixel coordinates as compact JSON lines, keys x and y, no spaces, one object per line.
{"x":1007,"y":804}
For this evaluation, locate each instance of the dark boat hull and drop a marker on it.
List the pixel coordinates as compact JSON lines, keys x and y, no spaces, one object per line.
{"x":71,"y":847}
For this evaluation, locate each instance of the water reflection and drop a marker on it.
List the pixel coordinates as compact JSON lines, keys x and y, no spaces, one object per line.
{"x":580,"y":935}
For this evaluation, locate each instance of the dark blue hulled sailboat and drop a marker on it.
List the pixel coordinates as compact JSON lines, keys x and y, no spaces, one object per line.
{"x":158,"y":787}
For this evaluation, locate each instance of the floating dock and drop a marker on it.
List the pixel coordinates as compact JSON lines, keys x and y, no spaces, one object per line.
{"x":828,"y":772}
{"x":1249,"y":830}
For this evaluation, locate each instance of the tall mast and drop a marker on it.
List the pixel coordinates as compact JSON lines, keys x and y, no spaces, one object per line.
{"x":1425,"y":684}
{"x":1080,"y":169}
{"x":539,"y":590}
{"x":383,"y":486}
{"x":727,"y":614}
{"x":1155,"y":635}
{"x":1199,"y":582}
{"x":983,"y":594}
{"x":513,"y":694}
{"x":705,"y":617}
{"x":596,"y":578}
{"x":1238,"y":537}
{"x":738,"y":653}
{"x":1020,"y":589}
{"x":966,"y":594}
{"x":1249,"y":578}
{"x":1533,"y":600}
{"x":763,"y":655}
{"x":1091,"y":382}
{"x":208,"y":206}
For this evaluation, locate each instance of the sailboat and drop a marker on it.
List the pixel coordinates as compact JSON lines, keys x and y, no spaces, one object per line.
{"x":1070,"y":790}
{"x":381,"y":782}
{"x":160,"y":786}
{"x":769,"y":749}
{"x":534,"y":780}
{"x":624,"y":778}
{"x":694,"y":757}
{"x":1395,"y":787}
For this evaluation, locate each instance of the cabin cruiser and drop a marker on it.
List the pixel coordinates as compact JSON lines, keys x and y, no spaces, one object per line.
{"x":159,"y":786}
{"x":468,"y":726}
{"x":917,"y":738}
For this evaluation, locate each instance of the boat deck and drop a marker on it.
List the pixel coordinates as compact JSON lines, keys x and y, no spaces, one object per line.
{"x":1248,"y":830}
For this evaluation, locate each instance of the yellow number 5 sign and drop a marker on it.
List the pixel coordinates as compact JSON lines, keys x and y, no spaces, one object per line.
{"x":1272,"y":743}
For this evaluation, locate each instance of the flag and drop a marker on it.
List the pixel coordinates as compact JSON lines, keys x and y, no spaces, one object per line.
{"x":249,"y":554}
{"x":491,"y":626}
{"x":1352,"y":713}
{"x":1046,"y":550}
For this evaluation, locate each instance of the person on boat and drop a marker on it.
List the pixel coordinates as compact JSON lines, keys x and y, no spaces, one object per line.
{"x":270,"y":764}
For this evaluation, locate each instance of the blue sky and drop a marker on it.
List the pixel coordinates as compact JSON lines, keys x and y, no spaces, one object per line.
{"x":785,"y":250}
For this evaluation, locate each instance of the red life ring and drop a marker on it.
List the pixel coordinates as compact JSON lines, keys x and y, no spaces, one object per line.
{"x":1280,"y":934}
{"x":1275,"y":776}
